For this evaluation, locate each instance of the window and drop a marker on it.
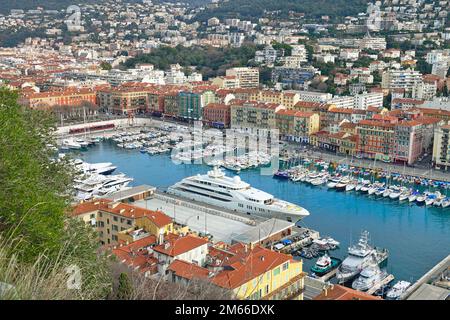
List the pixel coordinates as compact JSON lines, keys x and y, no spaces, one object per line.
{"x":115,"y":227}
{"x":115,"y":218}
{"x":276,"y":271}
{"x":285,"y":266}
{"x":114,"y":237}
{"x":129,"y":222}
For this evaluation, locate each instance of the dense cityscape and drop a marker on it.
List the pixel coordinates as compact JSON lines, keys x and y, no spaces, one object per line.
{"x":225,"y":150}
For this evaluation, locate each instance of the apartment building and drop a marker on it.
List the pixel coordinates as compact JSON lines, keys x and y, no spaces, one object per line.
{"x":110,"y":218}
{"x":400,"y":79}
{"x":254,"y":115}
{"x":265,"y":274}
{"x":366,"y":99}
{"x":68,"y":98}
{"x":248,"y":77}
{"x":296,"y":125}
{"x":376,"y":139}
{"x":217,"y":115}
{"x":226,"y":82}
{"x":124,"y":99}
{"x":191,"y":103}
{"x":441,"y":147}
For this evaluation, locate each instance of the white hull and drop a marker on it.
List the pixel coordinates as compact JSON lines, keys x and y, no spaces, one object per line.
{"x":233,"y":194}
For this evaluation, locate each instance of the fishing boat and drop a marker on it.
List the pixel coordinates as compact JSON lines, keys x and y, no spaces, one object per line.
{"x":397,"y":290}
{"x":325,"y":264}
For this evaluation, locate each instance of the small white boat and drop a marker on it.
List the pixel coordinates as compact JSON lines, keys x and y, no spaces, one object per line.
{"x":397,"y":290}
{"x":395,"y":194}
{"x":386,"y":192}
{"x":333,"y":182}
{"x":404,"y":195}
{"x":350,"y":187}
{"x":413,"y":196}
{"x":421,"y":199}
{"x":445,"y":203}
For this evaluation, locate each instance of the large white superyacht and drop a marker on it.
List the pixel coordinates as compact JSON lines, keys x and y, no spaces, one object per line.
{"x":232,"y":193}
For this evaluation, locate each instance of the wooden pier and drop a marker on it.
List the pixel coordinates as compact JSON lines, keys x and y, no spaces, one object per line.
{"x":385,"y":281}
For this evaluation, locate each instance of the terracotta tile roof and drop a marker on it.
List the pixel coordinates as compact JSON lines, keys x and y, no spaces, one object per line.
{"x":293,"y":113}
{"x":175,"y":245}
{"x":136,"y":254}
{"x":188,"y":270}
{"x":375,"y":123}
{"x":428,"y":120}
{"x":217,"y":106}
{"x":124,"y":210}
{"x":407,"y":101}
{"x":339,"y":292}
{"x":246,"y":265}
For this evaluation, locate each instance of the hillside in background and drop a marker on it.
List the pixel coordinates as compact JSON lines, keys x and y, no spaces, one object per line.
{"x":248,"y":9}
{"x":7,"y":5}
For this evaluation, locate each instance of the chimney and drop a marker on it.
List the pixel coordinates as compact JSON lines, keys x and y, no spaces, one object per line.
{"x":161,"y":237}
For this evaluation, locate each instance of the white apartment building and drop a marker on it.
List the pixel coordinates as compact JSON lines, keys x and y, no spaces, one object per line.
{"x":425,"y":90}
{"x":311,"y":96}
{"x":347,"y":102}
{"x":373,"y":43}
{"x":248,"y":77}
{"x":400,"y":79}
{"x":364,"y":100}
{"x":440,"y":69}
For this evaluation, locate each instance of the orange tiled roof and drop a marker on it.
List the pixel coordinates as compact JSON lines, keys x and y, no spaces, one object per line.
{"x":188,"y":270}
{"x":246,"y":265}
{"x":175,"y":245}
{"x":339,"y":292}
{"x":124,"y":210}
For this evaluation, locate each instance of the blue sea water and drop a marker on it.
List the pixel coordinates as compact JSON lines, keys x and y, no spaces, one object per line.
{"x":417,"y":237}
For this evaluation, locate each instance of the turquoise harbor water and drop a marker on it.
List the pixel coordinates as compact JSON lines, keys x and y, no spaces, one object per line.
{"x":417,"y":237}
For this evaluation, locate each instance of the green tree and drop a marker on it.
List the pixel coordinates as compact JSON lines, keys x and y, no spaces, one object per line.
{"x":35,"y":199}
{"x":105,"y":65}
{"x":125,"y":288}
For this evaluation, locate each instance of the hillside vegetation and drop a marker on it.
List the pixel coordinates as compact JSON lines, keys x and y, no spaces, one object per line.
{"x":253,"y":9}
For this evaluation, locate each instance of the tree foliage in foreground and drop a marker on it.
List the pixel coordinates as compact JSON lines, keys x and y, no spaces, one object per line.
{"x":35,"y":200}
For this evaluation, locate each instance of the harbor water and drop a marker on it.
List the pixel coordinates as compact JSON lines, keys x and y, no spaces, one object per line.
{"x":416,"y":237}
